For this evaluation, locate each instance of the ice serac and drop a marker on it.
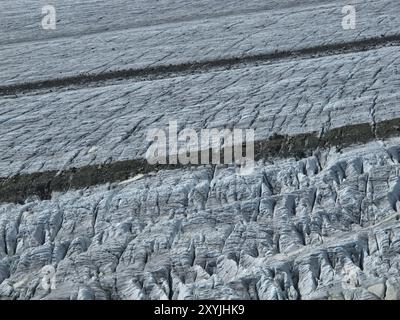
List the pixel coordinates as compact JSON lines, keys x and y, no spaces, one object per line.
{"x":323,"y":227}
